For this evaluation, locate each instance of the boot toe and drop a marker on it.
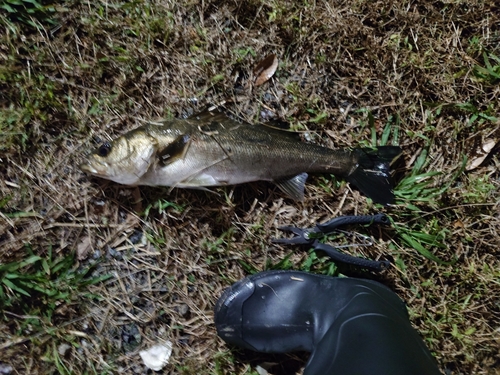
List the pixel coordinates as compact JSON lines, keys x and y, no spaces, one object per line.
{"x":229,"y":312}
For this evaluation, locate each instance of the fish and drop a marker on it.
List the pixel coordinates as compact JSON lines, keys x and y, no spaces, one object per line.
{"x":212,"y":149}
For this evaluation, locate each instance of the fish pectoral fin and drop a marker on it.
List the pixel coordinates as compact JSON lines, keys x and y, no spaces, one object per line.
{"x":294,"y":186}
{"x":202,"y":176}
{"x":175,"y":150}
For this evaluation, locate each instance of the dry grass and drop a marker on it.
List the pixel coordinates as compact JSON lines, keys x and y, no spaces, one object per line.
{"x":348,"y":70}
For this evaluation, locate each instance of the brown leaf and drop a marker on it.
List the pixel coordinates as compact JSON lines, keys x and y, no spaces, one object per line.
{"x":481,"y":154}
{"x":83,"y":248}
{"x":265,"y":69}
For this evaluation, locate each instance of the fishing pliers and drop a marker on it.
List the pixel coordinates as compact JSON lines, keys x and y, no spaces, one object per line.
{"x":311,"y":237}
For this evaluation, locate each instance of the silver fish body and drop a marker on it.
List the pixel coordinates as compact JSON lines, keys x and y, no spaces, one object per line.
{"x":213,"y":150}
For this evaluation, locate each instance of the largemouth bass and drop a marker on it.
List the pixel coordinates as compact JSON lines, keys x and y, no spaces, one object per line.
{"x":213,"y":150}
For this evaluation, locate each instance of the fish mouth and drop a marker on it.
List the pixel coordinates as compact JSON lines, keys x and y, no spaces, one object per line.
{"x":86,"y":167}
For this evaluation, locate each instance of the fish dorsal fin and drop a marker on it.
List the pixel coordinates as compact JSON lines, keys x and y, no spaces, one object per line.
{"x":294,"y":186}
{"x":175,"y":150}
{"x":294,"y":136}
{"x":215,"y":117}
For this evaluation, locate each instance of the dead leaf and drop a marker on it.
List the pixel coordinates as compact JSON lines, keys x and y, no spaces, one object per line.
{"x":481,"y":154}
{"x":83,"y":248}
{"x":136,"y":195}
{"x":265,"y":69}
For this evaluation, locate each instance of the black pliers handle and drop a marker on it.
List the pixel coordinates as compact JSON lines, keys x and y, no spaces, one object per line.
{"x":311,"y":237}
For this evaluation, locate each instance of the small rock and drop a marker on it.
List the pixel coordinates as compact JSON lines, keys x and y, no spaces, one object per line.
{"x":63,"y":349}
{"x":112,"y":253}
{"x":136,"y":237}
{"x":183,"y":309}
{"x":5,"y":368}
{"x":131,"y":334}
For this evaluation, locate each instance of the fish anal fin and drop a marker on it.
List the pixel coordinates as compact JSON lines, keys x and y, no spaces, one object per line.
{"x":175,"y":150}
{"x":293,"y":186}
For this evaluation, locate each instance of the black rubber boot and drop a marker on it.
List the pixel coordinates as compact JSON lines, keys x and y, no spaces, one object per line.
{"x":350,"y":326}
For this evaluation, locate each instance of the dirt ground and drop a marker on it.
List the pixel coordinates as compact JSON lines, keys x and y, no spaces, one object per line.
{"x":421,"y":74}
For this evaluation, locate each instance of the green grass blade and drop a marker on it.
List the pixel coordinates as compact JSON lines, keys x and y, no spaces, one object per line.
{"x":410,"y":241}
{"x":31,"y":260}
{"x":15,"y":288}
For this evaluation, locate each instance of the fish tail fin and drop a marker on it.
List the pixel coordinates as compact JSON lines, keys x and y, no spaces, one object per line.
{"x":372,"y":175}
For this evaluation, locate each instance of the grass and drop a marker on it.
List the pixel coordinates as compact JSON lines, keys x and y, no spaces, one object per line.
{"x":37,"y":295}
{"x":44,"y":281}
{"x":364,"y":74}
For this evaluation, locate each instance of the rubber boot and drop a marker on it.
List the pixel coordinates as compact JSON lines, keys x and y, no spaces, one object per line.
{"x":350,"y":326}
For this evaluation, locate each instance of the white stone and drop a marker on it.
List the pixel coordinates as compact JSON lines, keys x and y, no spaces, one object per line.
{"x":156,"y":357}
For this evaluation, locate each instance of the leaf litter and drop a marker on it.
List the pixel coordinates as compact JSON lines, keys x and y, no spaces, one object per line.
{"x":265,"y":69}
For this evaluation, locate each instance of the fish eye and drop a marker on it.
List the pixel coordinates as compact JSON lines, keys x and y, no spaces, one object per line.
{"x":104,"y":149}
